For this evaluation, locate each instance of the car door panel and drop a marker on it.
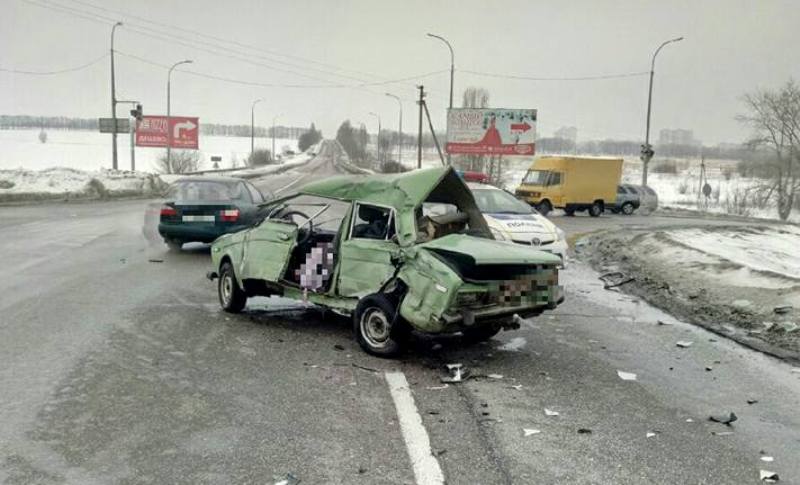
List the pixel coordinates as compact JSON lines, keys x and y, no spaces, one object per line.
{"x":365,"y":264}
{"x":267,"y":249}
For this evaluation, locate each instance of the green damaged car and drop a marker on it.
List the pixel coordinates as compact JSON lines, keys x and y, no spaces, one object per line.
{"x":398,"y":252}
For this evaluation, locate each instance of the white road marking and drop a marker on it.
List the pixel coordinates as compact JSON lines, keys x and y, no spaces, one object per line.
{"x":293,"y":182}
{"x":418,"y":445}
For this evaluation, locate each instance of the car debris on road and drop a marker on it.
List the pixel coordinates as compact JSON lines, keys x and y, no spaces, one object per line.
{"x":724,"y":419}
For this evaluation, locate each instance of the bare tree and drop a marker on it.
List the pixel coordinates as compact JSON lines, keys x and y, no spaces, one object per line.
{"x":182,"y":161}
{"x":774,"y":116}
{"x":474,"y":97}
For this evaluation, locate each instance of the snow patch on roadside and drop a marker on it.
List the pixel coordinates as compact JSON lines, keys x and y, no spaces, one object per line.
{"x":18,"y":183}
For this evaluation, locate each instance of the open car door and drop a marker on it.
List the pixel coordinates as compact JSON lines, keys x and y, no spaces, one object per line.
{"x":267,"y":249}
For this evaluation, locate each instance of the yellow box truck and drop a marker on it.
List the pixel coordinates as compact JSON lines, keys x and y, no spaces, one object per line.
{"x":571,"y":183}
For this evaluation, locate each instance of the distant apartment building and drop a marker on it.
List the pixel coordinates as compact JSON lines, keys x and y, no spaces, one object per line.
{"x":567,"y":133}
{"x":678,"y":136}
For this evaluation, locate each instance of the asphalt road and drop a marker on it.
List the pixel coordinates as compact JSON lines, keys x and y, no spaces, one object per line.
{"x":119,"y":367}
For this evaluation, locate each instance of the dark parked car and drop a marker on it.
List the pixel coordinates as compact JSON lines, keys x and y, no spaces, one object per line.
{"x":200,"y":209}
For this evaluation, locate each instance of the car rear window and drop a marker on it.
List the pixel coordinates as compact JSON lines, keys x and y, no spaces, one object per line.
{"x":208,"y":191}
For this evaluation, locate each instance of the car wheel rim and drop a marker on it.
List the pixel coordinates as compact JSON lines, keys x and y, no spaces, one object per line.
{"x":226,"y":288}
{"x":375,"y":327}
{"x":627,"y":209}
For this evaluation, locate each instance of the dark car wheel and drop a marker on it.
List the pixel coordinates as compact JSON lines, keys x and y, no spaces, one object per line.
{"x":596,"y":209}
{"x":627,"y":208}
{"x":569,"y":212}
{"x":373,"y":322}
{"x":231,"y":298}
{"x":480,"y":334}
{"x":174,"y":244}
{"x":544,"y":207}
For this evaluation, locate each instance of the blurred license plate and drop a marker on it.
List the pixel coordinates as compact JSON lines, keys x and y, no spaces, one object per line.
{"x":198,"y":218}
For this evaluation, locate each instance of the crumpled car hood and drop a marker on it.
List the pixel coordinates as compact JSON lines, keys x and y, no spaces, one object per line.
{"x":489,"y":251}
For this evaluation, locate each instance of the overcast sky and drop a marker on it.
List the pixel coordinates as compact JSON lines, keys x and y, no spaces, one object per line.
{"x":730,"y":47}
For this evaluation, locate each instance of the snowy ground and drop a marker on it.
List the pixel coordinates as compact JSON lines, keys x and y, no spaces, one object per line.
{"x":89,"y":150}
{"x":22,"y":184}
{"x":730,"y":279}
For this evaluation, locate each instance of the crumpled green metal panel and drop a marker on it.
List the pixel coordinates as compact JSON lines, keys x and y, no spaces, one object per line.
{"x":431,"y":289}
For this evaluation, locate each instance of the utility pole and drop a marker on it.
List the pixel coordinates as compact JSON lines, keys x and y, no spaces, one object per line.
{"x":419,"y":135}
{"x":169,"y":114}
{"x":253,"y":126}
{"x":273,"y":136}
{"x":399,"y":129}
{"x":647,"y":150}
{"x":136,"y":113}
{"x":113,"y":102}
{"x":378,"y":138}
{"x":452,"y":72}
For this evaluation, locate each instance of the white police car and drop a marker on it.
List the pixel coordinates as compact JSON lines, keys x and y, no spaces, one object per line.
{"x":513,"y":220}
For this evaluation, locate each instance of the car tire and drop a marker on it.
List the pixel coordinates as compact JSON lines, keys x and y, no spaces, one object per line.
{"x":373,"y":323}
{"x":544,"y":207}
{"x":231,"y":297}
{"x":480,"y":333}
{"x":569,"y":212}
{"x":627,"y":208}
{"x":596,"y":209}
{"x":174,"y":244}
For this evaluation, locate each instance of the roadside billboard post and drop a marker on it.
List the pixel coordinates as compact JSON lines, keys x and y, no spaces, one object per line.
{"x":487,"y":131}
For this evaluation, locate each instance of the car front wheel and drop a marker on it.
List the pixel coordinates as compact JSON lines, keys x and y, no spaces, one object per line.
{"x":173,"y":244}
{"x":373,"y":322}
{"x":627,"y":208}
{"x":596,"y":209}
{"x":231,"y":298}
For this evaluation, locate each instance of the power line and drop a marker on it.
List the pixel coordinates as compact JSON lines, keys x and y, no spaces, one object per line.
{"x":579,"y":78}
{"x":60,"y":71}
{"x":231,"y":42}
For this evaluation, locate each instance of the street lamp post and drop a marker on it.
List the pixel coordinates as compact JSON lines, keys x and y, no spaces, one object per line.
{"x":253,"y":126}
{"x":273,"y":136}
{"x":647,"y":151}
{"x":378,"y":138}
{"x":113,"y":102}
{"x":169,"y":128}
{"x":399,"y":129}
{"x":452,"y":72}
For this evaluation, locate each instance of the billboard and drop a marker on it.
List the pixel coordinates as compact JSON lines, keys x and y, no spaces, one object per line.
{"x":487,"y":131}
{"x":154,"y":131}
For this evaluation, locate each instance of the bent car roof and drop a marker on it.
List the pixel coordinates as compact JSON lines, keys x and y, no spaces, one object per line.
{"x":401,"y":191}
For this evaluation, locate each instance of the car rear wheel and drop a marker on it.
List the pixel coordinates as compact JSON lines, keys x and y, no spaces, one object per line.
{"x":173,"y":244}
{"x":596,"y":209}
{"x":627,"y":208}
{"x":544,"y":207}
{"x":569,"y":212}
{"x":231,"y":298}
{"x":373,"y":322}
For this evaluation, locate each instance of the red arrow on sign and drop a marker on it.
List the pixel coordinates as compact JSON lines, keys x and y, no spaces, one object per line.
{"x":520,"y":127}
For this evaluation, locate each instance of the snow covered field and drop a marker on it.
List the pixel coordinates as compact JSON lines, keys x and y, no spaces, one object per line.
{"x":22,"y":184}
{"x":89,"y":150}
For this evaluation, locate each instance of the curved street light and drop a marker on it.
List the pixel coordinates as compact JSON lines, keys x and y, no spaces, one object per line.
{"x":253,"y":125}
{"x":169,"y":129}
{"x":647,"y":152}
{"x":399,"y":128}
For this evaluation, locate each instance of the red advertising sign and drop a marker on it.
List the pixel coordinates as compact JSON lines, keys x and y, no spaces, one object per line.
{"x":177,"y":132}
{"x":487,"y":131}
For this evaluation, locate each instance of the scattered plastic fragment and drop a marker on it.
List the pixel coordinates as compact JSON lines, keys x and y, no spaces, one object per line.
{"x":495,"y":376}
{"x":626,"y":376}
{"x":514,"y":345}
{"x":528,"y":431}
{"x":457,"y":373}
{"x":767,"y":458}
{"x":684,"y":344}
{"x":338,"y":347}
{"x":768,"y":476}
{"x":362,"y":470}
{"x":437,"y":388}
{"x":752,"y":401}
{"x":288,"y":480}
{"x":518,"y":387}
{"x":650,"y":434}
{"x":370,"y":369}
{"x":727,"y":420}
{"x":662,"y":322}
{"x":709,"y":368}
{"x":154,"y":260}
{"x":689,"y":420}
{"x":722,"y":433}
{"x":584,"y":431}
{"x":549,"y":412}
{"x":782,"y":309}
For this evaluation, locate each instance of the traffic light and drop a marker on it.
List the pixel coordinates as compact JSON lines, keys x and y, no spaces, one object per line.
{"x":137,"y":112}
